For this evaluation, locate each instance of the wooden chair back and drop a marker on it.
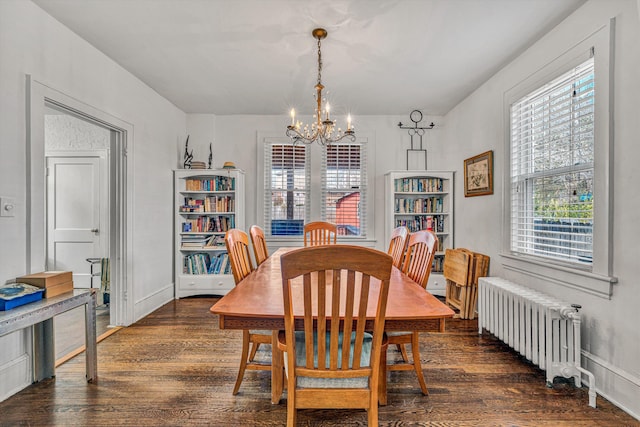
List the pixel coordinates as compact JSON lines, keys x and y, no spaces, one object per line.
{"x":397,"y":243}
{"x":338,"y":285}
{"x":418,"y":259}
{"x":237,"y":243}
{"x":259,"y":244}
{"x":320,"y":233}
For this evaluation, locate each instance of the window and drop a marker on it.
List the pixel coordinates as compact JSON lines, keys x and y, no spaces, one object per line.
{"x":288,"y":197}
{"x":552,"y":168}
{"x":344,"y":187}
{"x":287,"y":184}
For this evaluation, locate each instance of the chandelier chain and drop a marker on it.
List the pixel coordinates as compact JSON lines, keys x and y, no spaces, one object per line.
{"x":319,"y":63}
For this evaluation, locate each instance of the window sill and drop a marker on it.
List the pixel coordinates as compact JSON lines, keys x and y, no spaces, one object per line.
{"x":581,"y":280}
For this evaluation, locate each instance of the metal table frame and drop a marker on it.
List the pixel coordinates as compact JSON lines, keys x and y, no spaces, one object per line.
{"x":39,"y":316}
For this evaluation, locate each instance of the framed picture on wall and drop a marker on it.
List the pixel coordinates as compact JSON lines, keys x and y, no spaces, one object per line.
{"x":478,"y":175}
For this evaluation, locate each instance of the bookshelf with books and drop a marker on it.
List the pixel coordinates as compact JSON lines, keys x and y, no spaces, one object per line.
{"x":208,"y":202}
{"x":422,"y":200}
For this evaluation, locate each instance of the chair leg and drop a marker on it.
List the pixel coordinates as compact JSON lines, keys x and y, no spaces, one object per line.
{"x":243,"y":361}
{"x":254,"y":349}
{"x":382,"y":380}
{"x":291,"y":404}
{"x":402,"y":349}
{"x":415,"y":349}
{"x":372,"y":414}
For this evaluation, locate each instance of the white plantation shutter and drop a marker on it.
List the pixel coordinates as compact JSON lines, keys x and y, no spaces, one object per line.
{"x":552,"y":168}
{"x":287,"y":181}
{"x":344,"y":187}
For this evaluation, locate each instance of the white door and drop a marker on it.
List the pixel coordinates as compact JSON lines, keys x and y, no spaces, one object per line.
{"x":77,"y":215}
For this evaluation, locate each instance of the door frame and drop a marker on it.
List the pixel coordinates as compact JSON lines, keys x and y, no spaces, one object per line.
{"x":120,"y":194}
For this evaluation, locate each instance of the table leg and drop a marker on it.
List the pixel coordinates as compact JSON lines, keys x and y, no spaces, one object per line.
{"x":44,"y":357}
{"x":277,"y":369}
{"x":91,"y":352}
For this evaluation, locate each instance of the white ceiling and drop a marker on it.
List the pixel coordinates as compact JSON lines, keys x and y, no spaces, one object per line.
{"x":384,"y":57}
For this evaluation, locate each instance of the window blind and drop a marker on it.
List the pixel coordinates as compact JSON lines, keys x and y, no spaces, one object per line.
{"x":344,"y":188}
{"x":552,"y":168}
{"x":287,"y":184}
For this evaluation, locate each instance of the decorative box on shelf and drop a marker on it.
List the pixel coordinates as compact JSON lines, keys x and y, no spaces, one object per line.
{"x":53,"y":282}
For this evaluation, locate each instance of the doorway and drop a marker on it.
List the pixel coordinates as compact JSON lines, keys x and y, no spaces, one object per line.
{"x":77,"y":206}
{"x":77,"y":199}
{"x":102,"y":165}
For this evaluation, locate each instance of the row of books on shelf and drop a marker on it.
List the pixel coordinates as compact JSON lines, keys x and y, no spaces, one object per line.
{"x":427,"y":205}
{"x":209,"y":204}
{"x":438,"y":264}
{"x":431,"y":223}
{"x":205,"y":264}
{"x":208,"y":224}
{"x":418,"y":185}
{"x":214,"y":183}
{"x":198,"y":241}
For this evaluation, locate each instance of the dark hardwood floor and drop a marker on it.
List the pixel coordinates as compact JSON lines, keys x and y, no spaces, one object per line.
{"x":176,"y":368}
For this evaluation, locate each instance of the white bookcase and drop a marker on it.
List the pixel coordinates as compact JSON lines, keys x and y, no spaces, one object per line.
{"x":422,"y":200}
{"x":207,"y":203}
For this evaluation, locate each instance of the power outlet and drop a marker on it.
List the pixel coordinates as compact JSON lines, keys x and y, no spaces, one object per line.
{"x":7,"y":206}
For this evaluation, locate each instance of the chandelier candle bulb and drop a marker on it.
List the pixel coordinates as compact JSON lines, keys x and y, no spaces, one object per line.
{"x":293,"y":117}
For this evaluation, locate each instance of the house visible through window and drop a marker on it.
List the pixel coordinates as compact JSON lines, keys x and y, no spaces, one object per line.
{"x":344,"y":192}
{"x":552,"y":168}
{"x":287,"y":183}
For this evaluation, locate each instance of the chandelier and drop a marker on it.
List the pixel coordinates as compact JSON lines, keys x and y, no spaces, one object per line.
{"x":323,"y":130}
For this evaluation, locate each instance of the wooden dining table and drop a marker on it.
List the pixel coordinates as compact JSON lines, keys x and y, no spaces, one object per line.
{"x":257,"y":303}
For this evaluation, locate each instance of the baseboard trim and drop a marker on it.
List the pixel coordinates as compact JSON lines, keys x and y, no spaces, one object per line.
{"x":154,"y":301}
{"x":10,"y":373}
{"x":619,"y":383}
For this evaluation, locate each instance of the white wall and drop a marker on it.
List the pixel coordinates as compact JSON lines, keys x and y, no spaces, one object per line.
{"x":32,"y":42}
{"x":611,"y":337}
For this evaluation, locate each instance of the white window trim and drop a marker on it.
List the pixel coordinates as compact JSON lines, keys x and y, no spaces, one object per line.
{"x":316,"y":189}
{"x":596,"y":279}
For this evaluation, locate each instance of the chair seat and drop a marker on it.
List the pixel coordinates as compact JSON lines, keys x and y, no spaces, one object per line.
{"x":260,"y":332}
{"x":397,"y":333}
{"x":307,"y":382}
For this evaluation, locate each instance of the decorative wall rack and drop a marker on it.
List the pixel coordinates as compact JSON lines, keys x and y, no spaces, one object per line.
{"x":416,"y":131}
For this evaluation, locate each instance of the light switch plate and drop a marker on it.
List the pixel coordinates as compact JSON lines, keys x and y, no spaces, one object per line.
{"x":7,"y":206}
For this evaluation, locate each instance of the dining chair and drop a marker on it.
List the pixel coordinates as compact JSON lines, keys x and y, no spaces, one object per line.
{"x":237,"y":243}
{"x":323,"y":371}
{"x":259,"y":244}
{"x":397,"y":244}
{"x":418,"y":260}
{"x":320,"y":233}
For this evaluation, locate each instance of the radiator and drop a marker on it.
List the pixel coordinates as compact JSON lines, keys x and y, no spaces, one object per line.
{"x":541,"y":328}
